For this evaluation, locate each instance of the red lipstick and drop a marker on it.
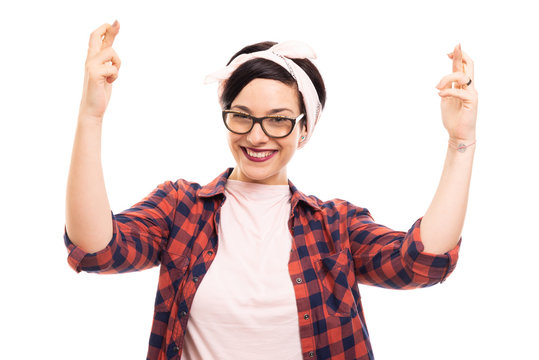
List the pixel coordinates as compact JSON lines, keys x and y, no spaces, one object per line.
{"x":258,"y":159}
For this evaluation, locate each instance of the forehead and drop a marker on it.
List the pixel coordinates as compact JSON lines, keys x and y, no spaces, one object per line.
{"x":261,"y":95}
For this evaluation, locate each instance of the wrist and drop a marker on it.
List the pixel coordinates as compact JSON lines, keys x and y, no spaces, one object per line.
{"x":461,"y":145}
{"x":469,"y":138}
{"x":88,"y":118}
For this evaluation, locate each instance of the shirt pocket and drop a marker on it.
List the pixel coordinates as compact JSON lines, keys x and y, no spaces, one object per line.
{"x":334,"y":276}
{"x":171,"y":274}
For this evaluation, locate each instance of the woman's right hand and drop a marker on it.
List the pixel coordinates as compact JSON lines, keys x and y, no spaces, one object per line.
{"x":101,"y":70}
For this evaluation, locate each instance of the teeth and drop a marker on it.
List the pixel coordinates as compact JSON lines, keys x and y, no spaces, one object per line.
{"x":259,"y":154}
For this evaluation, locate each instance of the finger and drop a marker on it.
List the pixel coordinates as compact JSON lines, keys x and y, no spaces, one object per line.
{"x":447,"y":81}
{"x":457,"y":59}
{"x":110,"y":34}
{"x":95,"y":42}
{"x":469,"y":65}
{"x":106,"y":55}
{"x":465,"y":95}
{"x":108,"y":71}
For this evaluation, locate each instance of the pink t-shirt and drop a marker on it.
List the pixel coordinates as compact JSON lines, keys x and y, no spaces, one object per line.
{"x":245,"y":306}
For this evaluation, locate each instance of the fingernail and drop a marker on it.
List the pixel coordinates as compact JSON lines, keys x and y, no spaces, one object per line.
{"x":115,"y":23}
{"x":459,"y":47}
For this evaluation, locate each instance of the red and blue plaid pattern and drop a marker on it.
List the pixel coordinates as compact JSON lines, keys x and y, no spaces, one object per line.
{"x":336,"y":245}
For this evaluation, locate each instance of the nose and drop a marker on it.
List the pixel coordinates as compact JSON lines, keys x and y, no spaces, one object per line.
{"x":257,"y":135}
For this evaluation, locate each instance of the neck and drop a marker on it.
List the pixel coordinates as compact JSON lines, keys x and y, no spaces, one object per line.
{"x":276,"y":179}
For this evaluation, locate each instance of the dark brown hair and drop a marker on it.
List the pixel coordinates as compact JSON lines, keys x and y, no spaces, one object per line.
{"x":267,"y":69}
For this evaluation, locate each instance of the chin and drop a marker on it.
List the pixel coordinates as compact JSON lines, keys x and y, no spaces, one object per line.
{"x":258,"y":174}
{"x":271,"y":171}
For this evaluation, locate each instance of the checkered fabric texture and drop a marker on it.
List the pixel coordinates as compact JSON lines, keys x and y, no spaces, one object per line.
{"x":336,"y":245}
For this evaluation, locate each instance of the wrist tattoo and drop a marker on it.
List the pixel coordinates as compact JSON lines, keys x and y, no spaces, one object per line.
{"x":460,"y":147}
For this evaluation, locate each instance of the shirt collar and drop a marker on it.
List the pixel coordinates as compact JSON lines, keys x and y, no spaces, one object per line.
{"x":217,"y":187}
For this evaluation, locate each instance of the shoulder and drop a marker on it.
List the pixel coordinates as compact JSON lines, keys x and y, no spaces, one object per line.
{"x":195,"y":192}
{"x":186,"y":186}
{"x":185,"y":191}
{"x":333,"y":206}
{"x":178,"y":186}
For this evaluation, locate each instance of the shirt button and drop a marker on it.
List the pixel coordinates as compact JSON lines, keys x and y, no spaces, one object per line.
{"x":311,"y":353}
{"x":306,"y":316}
{"x":183,"y":313}
{"x":176,"y":348}
{"x":195,"y":279}
{"x":210,"y":253}
{"x":299,"y":281}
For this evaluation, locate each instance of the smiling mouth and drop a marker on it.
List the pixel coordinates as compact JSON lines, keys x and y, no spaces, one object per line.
{"x":257,"y":155}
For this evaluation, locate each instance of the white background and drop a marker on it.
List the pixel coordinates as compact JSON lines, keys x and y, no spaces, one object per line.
{"x":380,"y":144}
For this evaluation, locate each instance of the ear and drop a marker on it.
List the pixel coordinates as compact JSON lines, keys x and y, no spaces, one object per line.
{"x":302,"y":137}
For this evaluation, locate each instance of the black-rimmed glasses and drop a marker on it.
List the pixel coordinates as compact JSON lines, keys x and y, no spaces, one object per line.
{"x":274,"y":126}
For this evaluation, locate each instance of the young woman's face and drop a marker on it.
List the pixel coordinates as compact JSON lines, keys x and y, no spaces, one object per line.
{"x":263,"y":97}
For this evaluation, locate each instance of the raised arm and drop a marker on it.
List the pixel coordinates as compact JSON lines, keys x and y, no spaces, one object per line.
{"x":442,"y":224}
{"x":88,"y":214}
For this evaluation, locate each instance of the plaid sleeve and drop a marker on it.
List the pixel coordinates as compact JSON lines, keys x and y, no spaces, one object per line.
{"x":395,"y":259}
{"x":138,"y":235}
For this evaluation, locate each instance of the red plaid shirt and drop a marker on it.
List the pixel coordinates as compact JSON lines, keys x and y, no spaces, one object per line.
{"x":335,"y":246}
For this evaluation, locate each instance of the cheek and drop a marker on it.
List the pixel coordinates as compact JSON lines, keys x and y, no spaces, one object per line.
{"x":290,"y":145}
{"x":293,"y":142}
{"x":232,"y":138}
{"x":234,"y":141}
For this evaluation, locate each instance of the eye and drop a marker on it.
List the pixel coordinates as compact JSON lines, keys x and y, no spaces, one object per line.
{"x":239,"y":116}
{"x":278,"y":119}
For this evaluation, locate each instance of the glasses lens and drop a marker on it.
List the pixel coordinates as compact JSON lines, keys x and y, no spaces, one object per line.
{"x":276,"y":126}
{"x":238,"y":122}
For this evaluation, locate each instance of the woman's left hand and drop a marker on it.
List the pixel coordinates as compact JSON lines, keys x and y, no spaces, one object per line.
{"x":459,"y":103}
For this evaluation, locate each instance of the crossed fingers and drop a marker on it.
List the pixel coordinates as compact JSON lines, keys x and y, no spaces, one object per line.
{"x":460,"y":83}
{"x":462,"y":76}
{"x":101,"y":55}
{"x":103,"y":37}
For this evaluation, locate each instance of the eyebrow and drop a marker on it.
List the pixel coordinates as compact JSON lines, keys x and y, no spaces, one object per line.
{"x":272,"y":111}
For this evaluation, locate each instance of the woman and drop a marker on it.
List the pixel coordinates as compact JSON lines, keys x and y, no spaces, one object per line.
{"x":274,"y":270}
